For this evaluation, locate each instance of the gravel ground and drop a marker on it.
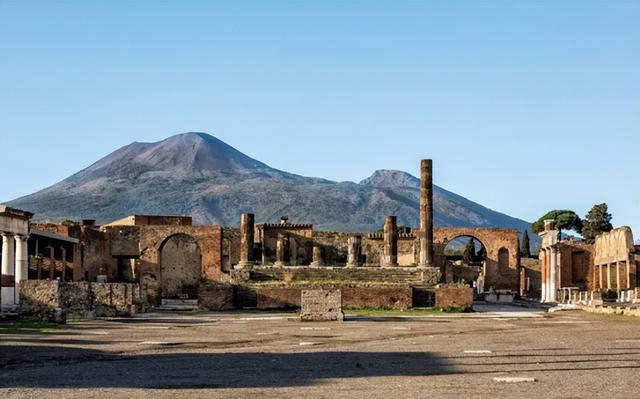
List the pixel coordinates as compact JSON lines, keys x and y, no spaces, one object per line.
{"x":240,"y":355}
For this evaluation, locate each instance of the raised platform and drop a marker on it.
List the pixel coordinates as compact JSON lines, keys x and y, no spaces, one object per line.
{"x":356,"y":275}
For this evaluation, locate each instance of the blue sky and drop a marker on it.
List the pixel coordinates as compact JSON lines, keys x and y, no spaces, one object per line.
{"x":525,"y":106}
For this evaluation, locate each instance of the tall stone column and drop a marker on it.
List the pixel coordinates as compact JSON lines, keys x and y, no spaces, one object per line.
{"x":7,"y":280}
{"x":553,"y":268}
{"x":280,"y":250}
{"x":354,"y":248}
{"x":22,"y":264}
{"x":426,"y":213}
{"x":247,"y":228}
{"x":317,"y":257}
{"x":390,"y":256}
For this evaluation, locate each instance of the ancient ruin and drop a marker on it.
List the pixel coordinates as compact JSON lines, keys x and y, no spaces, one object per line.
{"x":268,"y":265}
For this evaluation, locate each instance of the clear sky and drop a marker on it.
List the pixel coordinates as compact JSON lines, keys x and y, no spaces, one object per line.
{"x":525,"y":106}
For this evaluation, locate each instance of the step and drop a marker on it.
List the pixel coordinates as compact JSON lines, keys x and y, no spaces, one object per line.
{"x":178,"y":305}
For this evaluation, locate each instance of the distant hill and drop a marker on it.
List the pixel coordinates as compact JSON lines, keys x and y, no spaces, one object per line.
{"x":197,"y":174}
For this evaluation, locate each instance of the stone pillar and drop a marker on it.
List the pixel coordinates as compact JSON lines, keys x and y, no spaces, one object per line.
{"x":280,"y":250}
{"x":608,"y":276}
{"x":354,"y":248}
{"x":52,"y":265}
{"x":617,"y":266}
{"x":390,"y":255}
{"x":426,"y":213}
{"x":247,"y":226}
{"x":22,"y":264}
{"x":553,"y":276}
{"x":7,"y":280}
{"x":317,"y":257}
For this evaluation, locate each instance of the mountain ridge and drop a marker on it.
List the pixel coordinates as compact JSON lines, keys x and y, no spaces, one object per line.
{"x":197,"y":174}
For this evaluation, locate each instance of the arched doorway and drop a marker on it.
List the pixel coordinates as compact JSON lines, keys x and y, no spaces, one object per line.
{"x":180,"y":267}
{"x":466,"y":259}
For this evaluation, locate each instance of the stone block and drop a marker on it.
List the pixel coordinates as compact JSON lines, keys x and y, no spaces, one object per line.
{"x":215,"y":296}
{"x":321,"y":305}
{"x":454,"y":296}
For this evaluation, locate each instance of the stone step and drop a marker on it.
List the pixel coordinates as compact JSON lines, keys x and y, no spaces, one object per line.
{"x":178,"y":305}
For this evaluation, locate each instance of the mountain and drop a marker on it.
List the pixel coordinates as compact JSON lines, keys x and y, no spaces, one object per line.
{"x":197,"y":174}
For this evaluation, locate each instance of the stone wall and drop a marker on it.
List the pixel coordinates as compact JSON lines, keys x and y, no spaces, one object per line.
{"x":56,"y":301}
{"x":399,"y":297}
{"x":454,"y":296}
{"x":213,"y":295}
{"x":321,"y":305}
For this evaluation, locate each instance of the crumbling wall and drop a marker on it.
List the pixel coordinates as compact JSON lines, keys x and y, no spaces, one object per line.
{"x":454,"y":296}
{"x":56,"y":301}
{"x":213,"y":295}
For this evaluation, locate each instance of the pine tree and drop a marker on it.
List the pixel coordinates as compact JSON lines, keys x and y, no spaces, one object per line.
{"x":525,"y":248}
{"x":597,"y":221}
{"x":469,"y":251}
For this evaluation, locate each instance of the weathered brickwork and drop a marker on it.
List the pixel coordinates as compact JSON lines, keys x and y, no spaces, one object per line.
{"x":321,"y":305}
{"x":454,"y":296}
{"x":55,"y":301}
{"x":213,"y":295}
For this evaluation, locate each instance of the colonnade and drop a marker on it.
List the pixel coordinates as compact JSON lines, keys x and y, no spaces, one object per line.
{"x":14,"y":268}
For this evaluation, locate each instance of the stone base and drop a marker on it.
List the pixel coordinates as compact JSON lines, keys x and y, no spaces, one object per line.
{"x":316,"y":264}
{"x":278,"y":264}
{"x":244,"y":265}
{"x":7,"y":296}
{"x":321,"y":305}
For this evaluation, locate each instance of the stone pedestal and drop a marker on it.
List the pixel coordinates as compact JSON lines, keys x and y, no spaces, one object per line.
{"x":354,"y":249}
{"x":321,"y":305}
{"x":7,"y":279}
{"x":426,"y":213}
{"x":390,"y":254}
{"x":247,"y":226}
{"x":317,"y":257}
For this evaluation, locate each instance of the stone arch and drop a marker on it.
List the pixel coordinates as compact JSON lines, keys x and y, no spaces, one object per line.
{"x":458,"y":270}
{"x":493,"y":240}
{"x":180,"y":261}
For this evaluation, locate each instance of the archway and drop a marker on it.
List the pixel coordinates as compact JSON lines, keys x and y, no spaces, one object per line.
{"x":466,"y":258}
{"x":180,"y":267}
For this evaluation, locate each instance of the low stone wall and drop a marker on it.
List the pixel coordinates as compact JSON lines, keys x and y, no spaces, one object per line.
{"x":56,"y":301}
{"x":454,"y":296}
{"x":278,"y":298}
{"x":372,"y":275}
{"x":378,"y":297}
{"x":213,"y":295}
{"x":352,"y":297}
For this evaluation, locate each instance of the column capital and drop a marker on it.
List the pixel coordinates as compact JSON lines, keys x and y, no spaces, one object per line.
{"x":6,"y":234}
{"x":21,"y":237}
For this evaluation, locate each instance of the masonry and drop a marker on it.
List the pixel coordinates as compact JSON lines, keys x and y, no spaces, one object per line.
{"x":169,"y":257}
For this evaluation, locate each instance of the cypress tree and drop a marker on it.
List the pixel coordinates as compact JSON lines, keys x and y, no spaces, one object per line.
{"x":525,"y":247}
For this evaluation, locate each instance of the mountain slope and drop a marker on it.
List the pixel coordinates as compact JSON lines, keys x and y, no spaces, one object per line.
{"x":199,"y":175}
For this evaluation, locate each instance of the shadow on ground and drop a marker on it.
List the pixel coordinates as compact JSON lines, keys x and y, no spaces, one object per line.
{"x":90,"y":368}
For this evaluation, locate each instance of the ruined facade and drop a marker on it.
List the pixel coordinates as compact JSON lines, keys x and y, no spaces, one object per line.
{"x":168,"y":257}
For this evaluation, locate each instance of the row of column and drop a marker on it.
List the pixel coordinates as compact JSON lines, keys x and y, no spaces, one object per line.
{"x":618,"y":279}
{"x":14,"y":267}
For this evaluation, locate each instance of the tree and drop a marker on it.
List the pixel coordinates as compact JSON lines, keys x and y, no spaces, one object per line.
{"x":565,"y":220}
{"x":469,"y":251}
{"x":596,"y":221}
{"x":525,"y":247}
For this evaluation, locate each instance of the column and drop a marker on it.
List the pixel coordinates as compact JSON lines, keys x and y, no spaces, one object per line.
{"x":280,"y":248}
{"x":617,"y":266}
{"x":600,"y":277}
{"x":317,"y":257}
{"x":543,"y":276}
{"x":608,"y":276}
{"x":390,"y":255}
{"x":52,"y":265}
{"x":63,"y":251}
{"x":426,"y":213}
{"x":7,"y":279}
{"x":22,"y":264}
{"x":354,"y":248}
{"x":551,"y":293}
{"x":247,"y":225}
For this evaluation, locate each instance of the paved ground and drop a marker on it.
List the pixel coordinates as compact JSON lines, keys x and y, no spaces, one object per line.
{"x":570,"y":354}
